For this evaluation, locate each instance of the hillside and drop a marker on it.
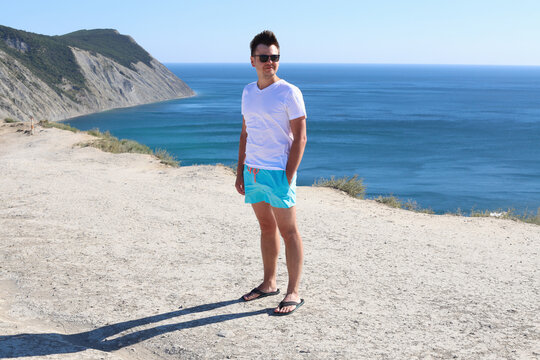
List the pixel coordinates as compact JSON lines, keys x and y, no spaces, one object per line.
{"x":50,"y":59}
{"x":108,"y":42}
{"x":57,"y":77}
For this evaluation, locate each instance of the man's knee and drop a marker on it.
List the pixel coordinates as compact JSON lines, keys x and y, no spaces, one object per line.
{"x":290,"y":235}
{"x":268,"y":226}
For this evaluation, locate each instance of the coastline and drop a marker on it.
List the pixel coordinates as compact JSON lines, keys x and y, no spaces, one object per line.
{"x":124,"y":107}
{"x":119,"y":256}
{"x":527,"y":215}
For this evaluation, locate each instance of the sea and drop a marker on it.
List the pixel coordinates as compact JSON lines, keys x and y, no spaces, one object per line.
{"x":447,"y":137}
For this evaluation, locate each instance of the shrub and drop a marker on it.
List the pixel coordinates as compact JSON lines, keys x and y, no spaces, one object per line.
{"x":47,"y":124}
{"x":458,"y":212}
{"x":352,"y":186}
{"x":355,"y":188}
{"x":530,"y":218}
{"x":166,"y":158}
{"x":483,"y":213}
{"x":509,"y":214}
{"x":391,"y":201}
{"x":97,"y":133}
{"x":10,"y":120}
{"x":112,"y":144}
{"x":109,"y":143}
{"x":395,"y":202}
{"x":526,"y":216}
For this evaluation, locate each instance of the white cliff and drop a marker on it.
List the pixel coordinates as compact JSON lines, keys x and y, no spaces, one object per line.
{"x":109,"y":85}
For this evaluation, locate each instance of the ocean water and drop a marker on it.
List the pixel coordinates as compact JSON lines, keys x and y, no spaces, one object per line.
{"x":447,"y":137}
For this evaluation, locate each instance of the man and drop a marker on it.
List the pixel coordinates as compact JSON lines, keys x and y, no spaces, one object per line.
{"x":271,"y":147}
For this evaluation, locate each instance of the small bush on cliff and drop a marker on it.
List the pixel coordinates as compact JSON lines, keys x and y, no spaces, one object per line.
{"x":527,"y":217}
{"x":352,"y":186}
{"x":10,"y":120}
{"x":62,"y":126}
{"x":355,"y":188}
{"x":395,"y":202}
{"x":166,"y":158}
{"x":509,"y":214}
{"x":110,"y":143}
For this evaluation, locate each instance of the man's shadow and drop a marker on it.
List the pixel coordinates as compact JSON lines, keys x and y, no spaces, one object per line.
{"x":19,"y":345}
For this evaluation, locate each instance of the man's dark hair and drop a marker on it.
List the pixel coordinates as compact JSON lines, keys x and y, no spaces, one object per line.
{"x":266,"y":38}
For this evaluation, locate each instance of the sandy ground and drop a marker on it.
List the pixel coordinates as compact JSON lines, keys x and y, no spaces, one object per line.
{"x":108,"y":256}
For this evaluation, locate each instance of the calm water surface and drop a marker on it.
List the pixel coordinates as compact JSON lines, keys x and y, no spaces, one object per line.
{"x":446,"y":137}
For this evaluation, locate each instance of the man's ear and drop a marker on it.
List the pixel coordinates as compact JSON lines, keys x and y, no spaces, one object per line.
{"x":252,"y":61}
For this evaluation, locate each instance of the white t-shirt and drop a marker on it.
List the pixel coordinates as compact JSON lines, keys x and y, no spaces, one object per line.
{"x":268,"y":113}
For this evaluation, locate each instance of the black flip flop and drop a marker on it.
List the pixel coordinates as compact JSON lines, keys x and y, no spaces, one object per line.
{"x":260,"y":293}
{"x":288,"y":303}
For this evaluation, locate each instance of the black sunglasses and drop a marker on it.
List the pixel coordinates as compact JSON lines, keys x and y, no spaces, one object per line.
{"x":264,"y":58}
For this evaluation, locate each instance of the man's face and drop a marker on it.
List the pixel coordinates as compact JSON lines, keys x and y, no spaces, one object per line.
{"x":269,"y":68}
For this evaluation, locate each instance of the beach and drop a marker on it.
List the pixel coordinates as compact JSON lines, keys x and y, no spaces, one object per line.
{"x":117,"y":256}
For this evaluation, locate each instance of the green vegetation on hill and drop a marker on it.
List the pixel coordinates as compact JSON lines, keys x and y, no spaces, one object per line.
{"x":46,"y":57}
{"x":395,"y":202}
{"x":106,"y":142}
{"x":58,"y":125}
{"x":51,"y":59}
{"x":352,"y":186}
{"x":109,"y":43}
{"x":355,"y":187}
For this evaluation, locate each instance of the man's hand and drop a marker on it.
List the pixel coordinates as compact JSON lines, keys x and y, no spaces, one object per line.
{"x":298,"y":128}
{"x":289,"y":177}
{"x":241,"y":156}
{"x":240,"y":183}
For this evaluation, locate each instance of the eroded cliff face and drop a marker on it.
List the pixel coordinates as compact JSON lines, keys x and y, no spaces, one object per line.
{"x":23,"y":94}
{"x":109,"y":85}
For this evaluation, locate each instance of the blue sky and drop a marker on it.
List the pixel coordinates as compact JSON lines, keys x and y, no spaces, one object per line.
{"x":499,"y":32}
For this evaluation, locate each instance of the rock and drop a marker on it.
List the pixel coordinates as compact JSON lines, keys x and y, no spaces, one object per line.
{"x":225,"y":333}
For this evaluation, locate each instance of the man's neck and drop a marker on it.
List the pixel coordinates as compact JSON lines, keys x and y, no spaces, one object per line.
{"x":264,"y":82}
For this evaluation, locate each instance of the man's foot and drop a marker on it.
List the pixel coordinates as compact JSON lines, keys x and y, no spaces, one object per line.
{"x":290,"y":303}
{"x":260,"y":292}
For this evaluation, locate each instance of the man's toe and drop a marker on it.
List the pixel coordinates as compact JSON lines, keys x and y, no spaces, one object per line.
{"x":250,"y":296}
{"x":284,"y":309}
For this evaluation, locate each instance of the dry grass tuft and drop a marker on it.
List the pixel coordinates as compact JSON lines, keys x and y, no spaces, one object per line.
{"x":107,"y":142}
{"x":352,"y":186}
{"x":62,"y":126}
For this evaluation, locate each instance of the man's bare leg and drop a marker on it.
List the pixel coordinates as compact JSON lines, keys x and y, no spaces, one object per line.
{"x":294,"y":253}
{"x":269,"y":247}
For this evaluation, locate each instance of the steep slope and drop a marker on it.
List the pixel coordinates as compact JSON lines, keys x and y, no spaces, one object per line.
{"x":58,"y":77}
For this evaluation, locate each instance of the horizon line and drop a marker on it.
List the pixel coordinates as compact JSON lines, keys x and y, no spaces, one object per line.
{"x":353,"y":63}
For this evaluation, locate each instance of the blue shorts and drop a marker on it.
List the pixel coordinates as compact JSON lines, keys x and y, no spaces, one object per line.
{"x":270,"y":186}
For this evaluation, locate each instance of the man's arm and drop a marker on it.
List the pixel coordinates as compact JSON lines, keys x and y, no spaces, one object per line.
{"x":241,"y":157}
{"x":298,"y":128}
